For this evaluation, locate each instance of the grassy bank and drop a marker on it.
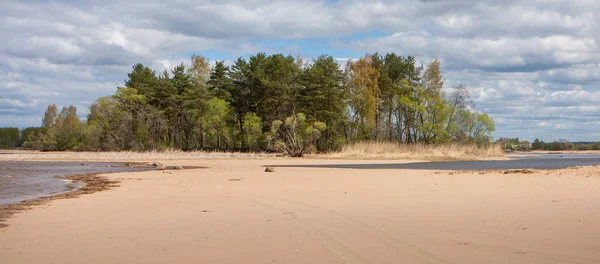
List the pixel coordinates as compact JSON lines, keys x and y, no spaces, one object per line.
{"x":364,"y":150}
{"x":388,"y":150}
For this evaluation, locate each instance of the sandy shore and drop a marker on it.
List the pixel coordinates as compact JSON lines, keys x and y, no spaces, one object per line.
{"x":234,"y":212}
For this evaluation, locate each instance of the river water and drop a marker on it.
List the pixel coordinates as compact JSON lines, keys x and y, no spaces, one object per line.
{"x":24,"y":180}
{"x":540,"y":161}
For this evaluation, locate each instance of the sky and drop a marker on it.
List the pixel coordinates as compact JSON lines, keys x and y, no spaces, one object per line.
{"x":533,"y":65}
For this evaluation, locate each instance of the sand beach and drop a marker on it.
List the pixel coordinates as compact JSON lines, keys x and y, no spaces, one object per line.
{"x":233,"y":211}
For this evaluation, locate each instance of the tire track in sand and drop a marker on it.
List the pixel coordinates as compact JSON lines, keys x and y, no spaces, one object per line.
{"x":329,"y":243}
{"x":424,"y":255}
{"x":375,"y":238}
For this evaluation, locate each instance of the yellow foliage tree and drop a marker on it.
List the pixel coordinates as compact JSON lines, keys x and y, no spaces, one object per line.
{"x":364,"y":94}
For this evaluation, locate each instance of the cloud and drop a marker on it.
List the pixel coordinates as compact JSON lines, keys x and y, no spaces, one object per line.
{"x":503,"y":54}
{"x":531,"y":64}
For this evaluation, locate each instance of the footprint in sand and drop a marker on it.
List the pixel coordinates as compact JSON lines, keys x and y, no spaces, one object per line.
{"x":291,"y":215}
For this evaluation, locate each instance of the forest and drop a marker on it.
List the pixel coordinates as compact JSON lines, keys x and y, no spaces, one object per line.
{"x":269,"y":103}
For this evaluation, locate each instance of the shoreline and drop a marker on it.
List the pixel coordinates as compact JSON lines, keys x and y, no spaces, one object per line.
{"x":94,"y":182}
{"x":98,"y":182}
{"x":554,"y":152}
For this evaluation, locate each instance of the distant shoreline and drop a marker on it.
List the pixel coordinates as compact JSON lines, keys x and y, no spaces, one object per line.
{"x":555,"y":152}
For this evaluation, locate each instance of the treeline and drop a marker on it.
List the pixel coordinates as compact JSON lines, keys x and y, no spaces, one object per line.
{"x":525,"y":145}
{"x":272,"y":103}
{"x":564,"y":145}
{"x":12,"y":137}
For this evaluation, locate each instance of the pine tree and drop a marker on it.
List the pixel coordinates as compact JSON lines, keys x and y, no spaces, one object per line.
{"x":219,"y":83}
{"x":322,"y":98}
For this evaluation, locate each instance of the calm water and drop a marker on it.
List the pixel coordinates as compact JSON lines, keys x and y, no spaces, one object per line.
{"x":23,"y":180}
{"x":542,"y":161}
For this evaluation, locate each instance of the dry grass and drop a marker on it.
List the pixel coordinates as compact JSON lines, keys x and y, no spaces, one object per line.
{"x":129,"y":156}
{"x":388,"y":150}
{"x":364,"y":150}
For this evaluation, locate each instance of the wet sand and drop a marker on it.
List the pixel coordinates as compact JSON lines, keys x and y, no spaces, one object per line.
{"x":234,"y":212}
{"x":88,"y":183}
{"x":26,"y":180}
